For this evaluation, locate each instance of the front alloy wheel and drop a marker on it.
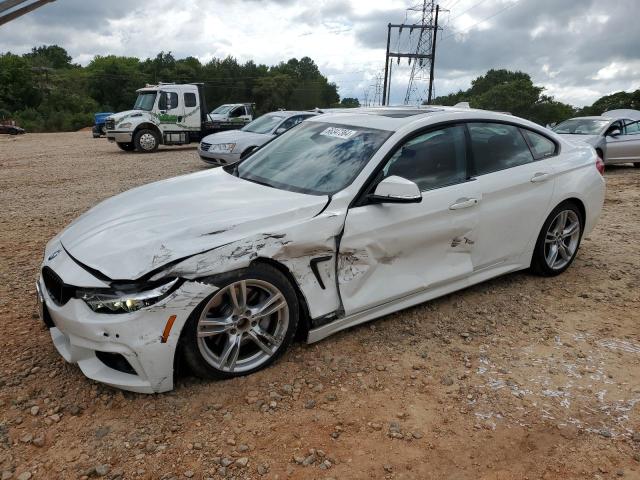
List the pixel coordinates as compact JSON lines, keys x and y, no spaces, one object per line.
{"x":244,"y":326}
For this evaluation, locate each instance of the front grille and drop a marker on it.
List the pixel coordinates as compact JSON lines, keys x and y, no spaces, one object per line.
{"x":110,"y":124}
{"x":204,"y":146}
{"x":58,"y":290}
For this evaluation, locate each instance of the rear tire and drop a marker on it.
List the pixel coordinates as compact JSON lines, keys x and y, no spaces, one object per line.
{"x":146,"y":141}
{"x":127,"y":147}
{"x":244,"y":326}
{"x":558,"y":241}
{"x":637,"y":164}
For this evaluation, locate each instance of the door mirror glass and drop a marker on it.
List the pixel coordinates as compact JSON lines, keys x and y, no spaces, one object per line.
{"x":162,"y":101}
{"x":280,"y":130}
{"x":396,"y":189}
{"x":614,"y":132}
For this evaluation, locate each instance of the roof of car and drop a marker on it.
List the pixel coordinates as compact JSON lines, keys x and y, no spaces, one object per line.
{"x":290,"y":113}
{"x":395,"y":117}
{"x":592,"y":117}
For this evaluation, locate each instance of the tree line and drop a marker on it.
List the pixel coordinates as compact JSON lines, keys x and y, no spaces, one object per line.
{"x":515,"y":93}
{"x":44,"y":91}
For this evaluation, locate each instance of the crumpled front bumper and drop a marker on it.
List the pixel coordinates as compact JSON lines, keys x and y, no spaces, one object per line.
{"x":86,"y":338}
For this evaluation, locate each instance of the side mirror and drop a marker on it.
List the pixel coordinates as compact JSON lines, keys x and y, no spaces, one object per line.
{"x":280,"y":130}
{"x":162,"y":101}
{"x":614,"y":132}
{"x":395,"y":189}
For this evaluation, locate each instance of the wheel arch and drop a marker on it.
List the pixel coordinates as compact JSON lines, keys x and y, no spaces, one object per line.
{"x":147,"y":126}
{"x":304,"y":323}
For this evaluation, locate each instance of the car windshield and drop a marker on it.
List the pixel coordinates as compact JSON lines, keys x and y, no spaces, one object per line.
{"x":145,"y":101}
{"x":264,"y":124}
{"x":581,"y":126}
{"x":316,"y":158}
{"x":223,"y":109}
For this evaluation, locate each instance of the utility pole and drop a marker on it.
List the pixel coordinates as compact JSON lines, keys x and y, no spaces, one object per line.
{"x":387,"y":77}
{"x":7,"y":4}
{"x":433,"y":56}
{"x":422,"y":56}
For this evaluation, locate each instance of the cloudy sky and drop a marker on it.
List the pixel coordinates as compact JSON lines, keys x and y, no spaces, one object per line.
{"x":578,"y":50}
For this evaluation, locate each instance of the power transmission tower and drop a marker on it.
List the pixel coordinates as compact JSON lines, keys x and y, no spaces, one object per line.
{"x":377,"y":96}
{"x":423,"y":55}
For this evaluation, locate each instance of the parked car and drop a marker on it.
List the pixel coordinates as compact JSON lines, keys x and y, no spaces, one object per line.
{"x":341,"y":220}
{"x":615,"y":135}
{"x":226,"y":148}
{"x":238,"y":113}
{"x":11,"y":130}
{"x":99,"y":128}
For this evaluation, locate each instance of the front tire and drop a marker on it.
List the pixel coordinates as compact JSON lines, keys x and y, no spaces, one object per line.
{"x":244,"y":326}
{"x":127,"y":147}
{"x":146,"y":141}
{"x":558,"y":241}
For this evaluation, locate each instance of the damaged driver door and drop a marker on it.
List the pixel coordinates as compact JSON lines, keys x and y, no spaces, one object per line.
{"x":391,"y":250}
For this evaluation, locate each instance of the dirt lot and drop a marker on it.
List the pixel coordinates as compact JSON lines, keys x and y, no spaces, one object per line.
{"x":520,"y":377}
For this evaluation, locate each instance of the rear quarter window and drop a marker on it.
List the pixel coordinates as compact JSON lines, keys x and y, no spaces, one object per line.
{"x":541,"y":146}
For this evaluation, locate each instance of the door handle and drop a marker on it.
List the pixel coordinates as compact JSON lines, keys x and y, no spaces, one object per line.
{"x":464,"y":203}
{"x":540,"y":177}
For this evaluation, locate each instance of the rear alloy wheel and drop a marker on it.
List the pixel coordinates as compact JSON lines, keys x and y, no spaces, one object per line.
{"x":146,"y":141}
{"x":558,"y":241}
{"x":244,"y":326}
{"x":127,"y":147}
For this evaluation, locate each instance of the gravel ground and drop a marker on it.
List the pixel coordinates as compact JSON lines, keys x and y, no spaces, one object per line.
{"x":520,"y":377}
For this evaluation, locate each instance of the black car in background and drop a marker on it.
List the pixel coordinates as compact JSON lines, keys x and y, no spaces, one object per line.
{"x":11,"y":130}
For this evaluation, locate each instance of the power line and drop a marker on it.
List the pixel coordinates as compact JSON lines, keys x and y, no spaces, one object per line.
{"x":458,"y":32}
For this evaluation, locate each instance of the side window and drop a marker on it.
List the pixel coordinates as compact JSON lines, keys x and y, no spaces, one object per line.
{"x":632,"y":128}
{"x":172,"y":100}
{"x":190,"y":100}
{"x":290,"y":122}
{"x":497,"y":146}
{"x":431,"y":160}
{"x":541,"y":146}
{"x":237,"y":112}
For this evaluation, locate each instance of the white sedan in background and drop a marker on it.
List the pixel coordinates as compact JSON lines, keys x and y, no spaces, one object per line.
{"x":228,"y":147}
{"x":344,"y":219}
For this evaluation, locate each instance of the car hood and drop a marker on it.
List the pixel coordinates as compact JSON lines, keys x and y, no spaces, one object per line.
{"x":126,"y":114}
{"x":139,"y":231}
{"x":239,"y":137}
{"x":590,"y":139}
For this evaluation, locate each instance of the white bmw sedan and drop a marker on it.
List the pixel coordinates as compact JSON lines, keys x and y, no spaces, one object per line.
{"x":345,"y":218}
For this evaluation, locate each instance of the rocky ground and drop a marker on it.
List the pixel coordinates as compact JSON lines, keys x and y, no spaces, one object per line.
{"x":519,"y":378}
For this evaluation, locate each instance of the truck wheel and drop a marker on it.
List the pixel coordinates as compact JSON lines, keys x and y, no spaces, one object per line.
{"x":127,"y":147}
{"x":146,"y":141}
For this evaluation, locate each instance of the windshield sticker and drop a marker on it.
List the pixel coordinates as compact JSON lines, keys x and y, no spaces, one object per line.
{"x":338,"y":132}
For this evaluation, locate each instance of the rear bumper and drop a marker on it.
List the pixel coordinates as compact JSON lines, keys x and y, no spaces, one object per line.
{"x":86,"y":338}
{"x":120,"y":137}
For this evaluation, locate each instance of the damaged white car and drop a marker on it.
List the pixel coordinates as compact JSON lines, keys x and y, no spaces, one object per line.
{"x":345,"y":218}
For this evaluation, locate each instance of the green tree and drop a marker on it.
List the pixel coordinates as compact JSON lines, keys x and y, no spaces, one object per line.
{"x":349,"y":102}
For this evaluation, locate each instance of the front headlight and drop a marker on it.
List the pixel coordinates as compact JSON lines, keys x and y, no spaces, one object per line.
{"x":126,"y":299}
{"x":222,"y":147}
{"x":125,"y":125}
